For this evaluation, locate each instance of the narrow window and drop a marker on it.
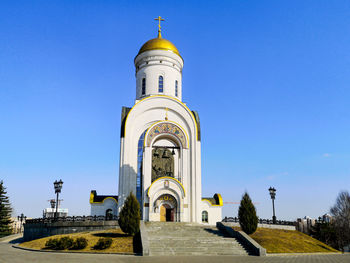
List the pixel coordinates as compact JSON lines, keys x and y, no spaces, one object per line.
{"x":160,"y":84}
{"x":205,"y":217}
{"x":140,"y":149}
{"x":143,"y":86}
{"x":175,"y":88}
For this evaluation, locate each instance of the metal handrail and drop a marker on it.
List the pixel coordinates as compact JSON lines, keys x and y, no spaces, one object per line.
{"x":71,"y":219}
{"x":262,"y":221}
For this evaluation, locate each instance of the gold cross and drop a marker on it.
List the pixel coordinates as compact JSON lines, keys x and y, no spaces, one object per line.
{"x":166,"y":114}
{"x":159,"y":18}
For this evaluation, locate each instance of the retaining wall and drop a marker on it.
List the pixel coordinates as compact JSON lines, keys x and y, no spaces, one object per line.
{"x":39,"y":230}
{"x":250,"y":244}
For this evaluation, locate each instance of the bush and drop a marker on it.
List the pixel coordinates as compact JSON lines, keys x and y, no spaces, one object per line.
{"x":103,"y":243}
{"x":79,"y":243}
{"x":129,"y":216}
{"x":65,"y":243}
{"x":51,"y":243}
{"x":247,"y":215}
{"x":59,"y":243}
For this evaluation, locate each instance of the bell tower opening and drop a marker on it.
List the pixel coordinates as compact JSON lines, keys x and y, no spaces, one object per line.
{"x":162,"y":163}
{"x":165,"y":158}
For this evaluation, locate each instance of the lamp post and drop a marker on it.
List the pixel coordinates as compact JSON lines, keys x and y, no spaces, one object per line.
{"x":272,"y":191}
{"x":21,"y":219}
{"x":58,"y":187}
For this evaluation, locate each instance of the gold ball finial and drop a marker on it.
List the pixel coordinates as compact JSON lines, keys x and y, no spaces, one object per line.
{"x":159,"y":18}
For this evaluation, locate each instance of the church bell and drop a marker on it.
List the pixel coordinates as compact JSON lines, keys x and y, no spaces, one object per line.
{"x":165,"y":154}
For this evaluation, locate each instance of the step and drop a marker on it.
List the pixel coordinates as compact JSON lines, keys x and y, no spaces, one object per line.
{"x":190,"y":239}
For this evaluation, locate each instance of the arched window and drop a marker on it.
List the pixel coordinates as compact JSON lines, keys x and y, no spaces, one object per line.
{"x":160,"y":84}
{"x":176,"y":88}
{"x":143,"y":86}
{"x":205,"y":216}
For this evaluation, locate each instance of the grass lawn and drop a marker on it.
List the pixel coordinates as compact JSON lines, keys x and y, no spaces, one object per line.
{"x":288,"y":241}
{"x":122,"y":243}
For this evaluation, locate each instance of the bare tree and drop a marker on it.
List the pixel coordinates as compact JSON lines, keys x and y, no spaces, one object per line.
{"x":341,"y":214}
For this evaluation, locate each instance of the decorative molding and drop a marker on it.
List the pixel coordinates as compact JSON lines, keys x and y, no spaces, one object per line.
{"x":168,"y":97}
{"x":166,"y":128}
{"x":169,"y":178}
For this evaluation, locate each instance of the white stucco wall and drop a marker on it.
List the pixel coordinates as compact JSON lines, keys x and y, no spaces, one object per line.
{"x":143,"y":115}
{"x":214,"y":212}
{"x":152,"y":64}
{"x":99,"y":209}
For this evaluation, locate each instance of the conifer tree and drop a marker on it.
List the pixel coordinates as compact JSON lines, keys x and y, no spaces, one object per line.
{"x":247,"y":215}
{"x":5,"y":212}
{"x":129,"y":216}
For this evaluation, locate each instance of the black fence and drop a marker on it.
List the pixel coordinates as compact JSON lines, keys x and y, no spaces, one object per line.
{"x":71,"y":219}
{"x":262,"y":221}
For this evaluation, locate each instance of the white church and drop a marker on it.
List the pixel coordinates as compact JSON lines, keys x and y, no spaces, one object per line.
{"x":160,"y":145}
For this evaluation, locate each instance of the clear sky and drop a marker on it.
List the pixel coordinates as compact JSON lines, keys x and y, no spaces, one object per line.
{"x":270,"y":80}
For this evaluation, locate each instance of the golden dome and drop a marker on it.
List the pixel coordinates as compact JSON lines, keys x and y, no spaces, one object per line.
{"x":159,"y":43}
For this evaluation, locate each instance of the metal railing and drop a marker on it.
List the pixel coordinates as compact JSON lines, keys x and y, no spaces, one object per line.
{"x":262,"y":221}
{"x":71,"y":219}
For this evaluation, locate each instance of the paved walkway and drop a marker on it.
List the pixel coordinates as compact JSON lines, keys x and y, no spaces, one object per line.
{"x":8,"y":254}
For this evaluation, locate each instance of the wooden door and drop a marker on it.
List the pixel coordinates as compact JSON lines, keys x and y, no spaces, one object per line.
{"x":162,"y":214}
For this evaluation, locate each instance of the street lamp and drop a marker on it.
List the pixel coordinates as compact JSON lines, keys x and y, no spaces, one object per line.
{"x":272,"y":191}
{"x":58,"y":187}
{"x":21,"y":219}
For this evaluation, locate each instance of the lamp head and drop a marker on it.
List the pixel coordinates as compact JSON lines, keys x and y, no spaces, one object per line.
{"x":58,"y":186}
{"x":272,"y":191}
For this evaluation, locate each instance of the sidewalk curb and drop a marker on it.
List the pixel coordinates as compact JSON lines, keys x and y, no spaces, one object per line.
{"x":73,"y":252}
{"x":303,"y":254}
{"x":10,"y":237}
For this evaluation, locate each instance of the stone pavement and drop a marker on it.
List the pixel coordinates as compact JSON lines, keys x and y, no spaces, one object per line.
{"x":8,"y":254}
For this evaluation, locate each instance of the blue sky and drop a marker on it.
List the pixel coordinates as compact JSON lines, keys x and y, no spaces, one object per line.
{"x":270,"y":80}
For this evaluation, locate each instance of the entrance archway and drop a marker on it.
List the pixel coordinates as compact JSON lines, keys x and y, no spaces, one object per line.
{"x":167,"y":207}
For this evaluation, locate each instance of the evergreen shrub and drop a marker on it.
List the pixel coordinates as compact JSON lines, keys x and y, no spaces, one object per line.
{"x":59,"y":243}
{"x":247,"y":215}
{"x":51,"y":243}
{"x":103,"y":243}
{"x":65,"y":243}
{"x":79,"y":243}
{"x":129,"y":216}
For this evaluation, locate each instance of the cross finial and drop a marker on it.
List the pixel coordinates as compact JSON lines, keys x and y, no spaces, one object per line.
{"x":159,"y":18}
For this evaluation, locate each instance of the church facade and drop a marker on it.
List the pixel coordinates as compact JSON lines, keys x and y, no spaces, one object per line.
{"x":160,"y":144}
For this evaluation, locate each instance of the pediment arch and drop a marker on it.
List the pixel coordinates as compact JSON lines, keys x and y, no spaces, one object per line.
{"x":166,"y":128}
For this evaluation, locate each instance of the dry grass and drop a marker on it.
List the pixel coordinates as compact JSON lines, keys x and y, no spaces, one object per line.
{"x":288,"y":241}
{"x":122,"y":243}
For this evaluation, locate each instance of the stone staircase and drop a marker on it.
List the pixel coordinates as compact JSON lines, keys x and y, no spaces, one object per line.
{"x":173,"y":238}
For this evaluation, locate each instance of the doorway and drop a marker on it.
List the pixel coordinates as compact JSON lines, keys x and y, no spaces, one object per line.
{"x":166,"y":213}
{"x":169,"y":216}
